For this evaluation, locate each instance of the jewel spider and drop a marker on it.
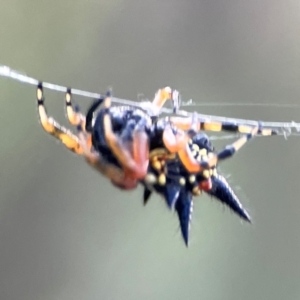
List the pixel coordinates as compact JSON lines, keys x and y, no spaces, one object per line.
{"x":133,"y":145}
{"x":170,"y":156}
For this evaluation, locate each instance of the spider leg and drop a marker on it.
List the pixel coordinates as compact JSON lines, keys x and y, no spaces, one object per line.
{"x":80,"y":145}
{"x":162,"y":96}
{"x":192,"y":125}
{"x":229,"y":150}
{"x":70,"y":140}
{"x":188,"y":123}
{"x":94,"y":159}
{"x":174,"y":141}
{"x":135,"y":164}
{"x":73,"y":114}
{"x":178,"y":143}
{"x":75,"y":117}
{"x":193,"y":166}
{"x":90,"y":113}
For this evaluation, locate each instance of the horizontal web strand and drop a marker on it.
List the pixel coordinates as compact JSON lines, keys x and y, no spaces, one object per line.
{"x":287,"y":128}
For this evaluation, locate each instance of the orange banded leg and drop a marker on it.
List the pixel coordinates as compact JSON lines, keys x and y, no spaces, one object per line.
{"x":115,"y":174}
{"x":135,"y":165}
{"x":162,"y":96}
{"x":174,"y":142}
{"x":70,"y":140}
{"x":229,"y":150}
{"x":75,"y":117}
{"x":193,"y":166}
{"x":188,"y":123}
{"x":73,"y":114}
{"x":81,"y":145}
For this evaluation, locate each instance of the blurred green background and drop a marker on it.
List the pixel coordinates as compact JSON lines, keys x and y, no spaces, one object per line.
{"x":66,"y":233}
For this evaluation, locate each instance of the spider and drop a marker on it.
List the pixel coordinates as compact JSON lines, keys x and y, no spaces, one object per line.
{"x":170,"y":156}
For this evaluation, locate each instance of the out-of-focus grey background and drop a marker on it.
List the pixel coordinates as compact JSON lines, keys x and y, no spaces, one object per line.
{"x":66,"y":233}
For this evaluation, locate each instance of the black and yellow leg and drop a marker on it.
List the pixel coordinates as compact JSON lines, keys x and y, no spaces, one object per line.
{"x":194,"y":166}
{"x":73,"y":114}
{"x":135,"y":162}
{"x":116,"y":175}
{"x":81,"y":145}
{"x":174,"y":141}
{"x":189,"y":123}
{"x":90,"y":114}
{"x":162,"y":96}
{"x":70,"y":140}
{"x":229,"y":150}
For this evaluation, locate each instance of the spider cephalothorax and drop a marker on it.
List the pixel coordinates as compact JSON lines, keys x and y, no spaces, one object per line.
{"x":170,"y":156}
